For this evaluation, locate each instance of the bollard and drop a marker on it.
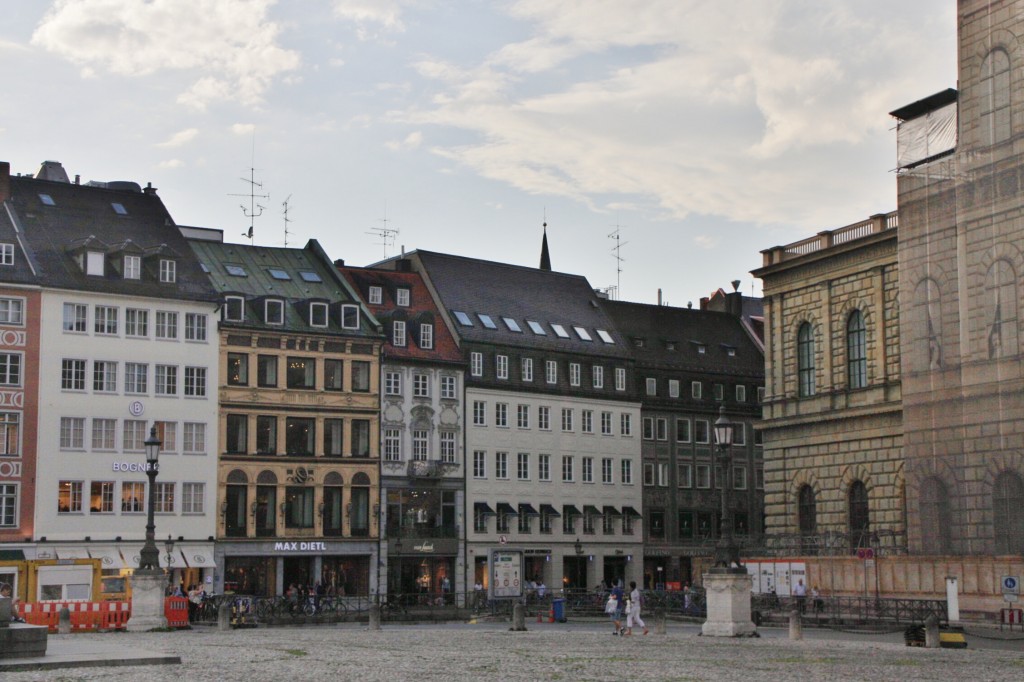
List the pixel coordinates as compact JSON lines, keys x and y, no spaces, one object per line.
{"x":519,"y":618}
{"x":375,"y":617}
{"x":659,"y":622}
{"x":796,"y":626}
{"x":64,"y":621}
{"x":931,"y":632}
{"x":224,"y":616}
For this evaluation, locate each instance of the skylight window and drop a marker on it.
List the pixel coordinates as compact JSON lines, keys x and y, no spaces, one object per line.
{"x":605,"y":336}
{"x":119,"y":209}
{"x":463,"y":318}
{"x":512,"y":324}
{"x":205,"y":269}
{"x":278,"y":273}
{"x":308,"y":276}
{"x":536,"y":328}
{"x":486,"y":321}
{"x":47,"y":200}
{"x":560,"y":331}
{"x":583,"y":333}
{"x":236,"y":270}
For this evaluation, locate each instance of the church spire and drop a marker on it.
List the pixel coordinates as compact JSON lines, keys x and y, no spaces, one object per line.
{"x":545,"y":257}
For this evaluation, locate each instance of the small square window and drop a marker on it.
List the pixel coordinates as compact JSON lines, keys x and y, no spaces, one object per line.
{"x":308,"y":276}
{"x":376,"y":295}
{"x":402,"y":297}
{"x":280,"y":274}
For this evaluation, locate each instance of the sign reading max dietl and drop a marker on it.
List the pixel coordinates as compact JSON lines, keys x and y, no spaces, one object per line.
{"x":300,"y":546}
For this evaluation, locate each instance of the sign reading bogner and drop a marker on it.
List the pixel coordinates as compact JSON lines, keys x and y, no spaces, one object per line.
{"x":300,"y":546}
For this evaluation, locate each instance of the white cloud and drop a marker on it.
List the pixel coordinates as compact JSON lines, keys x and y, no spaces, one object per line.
{"x":243,"y":128}
{"x":179,"y":138}
{"x":705,"y":241}
{"x":412,"y":141}
{"x":372,"y":18}
{"x":229,"y":45}
{"x":171,"y":163}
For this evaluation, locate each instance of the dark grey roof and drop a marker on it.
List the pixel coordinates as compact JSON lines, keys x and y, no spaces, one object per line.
{"x":85,"y":217}
{"x":499,"y":290}
{"x":22,"y":270}
{"x":672,"y":338}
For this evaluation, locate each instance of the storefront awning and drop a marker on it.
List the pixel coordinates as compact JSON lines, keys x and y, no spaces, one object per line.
{"x":611,"y":511}
{"x":549,"y":510}
{"x":108,"y":555}
{"x":71,"y":552}
{"x":629,"y":511}
{"x":198,"y":556}
{"x":507,"y":509}
{"x":591,"y":510}
{"x":570,"y":510}
{"x":526,"y":509}
{"x":12,"y":555}
{"x":131,"y":556}
{"x":483,"y":509}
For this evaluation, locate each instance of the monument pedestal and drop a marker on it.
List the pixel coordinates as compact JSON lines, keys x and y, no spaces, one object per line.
{"x":728,"y":598}
{"x":18,"y":640}
{"x":147,"y":602}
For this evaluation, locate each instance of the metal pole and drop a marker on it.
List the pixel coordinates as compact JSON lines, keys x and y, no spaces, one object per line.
{"x":149,"y":557}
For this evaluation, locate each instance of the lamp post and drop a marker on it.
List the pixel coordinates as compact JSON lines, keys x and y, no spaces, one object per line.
{"x":727,"y":554}
{"x":149,"y":557}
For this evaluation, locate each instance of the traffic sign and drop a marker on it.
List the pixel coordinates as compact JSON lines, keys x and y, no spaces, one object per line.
{"x":1011,"y":584}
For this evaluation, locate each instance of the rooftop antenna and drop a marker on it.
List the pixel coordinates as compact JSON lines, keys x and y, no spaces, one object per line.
{"x":285,"y":206}
{"x":387,"y":234}
{"x":617,"y":255}
{"x":255,"y":210}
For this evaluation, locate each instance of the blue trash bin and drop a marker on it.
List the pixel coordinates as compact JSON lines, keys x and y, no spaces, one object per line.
{"x":558,"y":610}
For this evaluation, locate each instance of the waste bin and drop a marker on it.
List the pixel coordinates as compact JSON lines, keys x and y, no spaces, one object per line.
{"x":558,"y":610}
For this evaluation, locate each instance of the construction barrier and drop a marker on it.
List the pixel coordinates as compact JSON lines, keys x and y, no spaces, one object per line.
{"x":85,"y":615}
{"x":176,"y":612}
{"x":1011,"y":617}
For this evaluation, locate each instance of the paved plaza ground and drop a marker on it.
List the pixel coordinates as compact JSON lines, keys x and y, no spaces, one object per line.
{"x":579,"y":651}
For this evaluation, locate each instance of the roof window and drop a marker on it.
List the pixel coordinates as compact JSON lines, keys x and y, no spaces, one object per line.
{"x":119,"y":209}
{"x":560,"y":331}
{"x":486,"y":321}
{"x":47,"y":200}
{"x":236,"y":270}
{"x":605,"y":336}
{"x":463,"y":318}
{"x":308,"y":276}
{"x":536,"y":328}
{"x":512,"y":324}
{"x":583,"y":333}
{"x":278,"y":273}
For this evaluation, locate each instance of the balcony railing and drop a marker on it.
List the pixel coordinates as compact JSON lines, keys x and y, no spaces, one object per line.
{"x":429,"y":468}
{"x":829,"y":238}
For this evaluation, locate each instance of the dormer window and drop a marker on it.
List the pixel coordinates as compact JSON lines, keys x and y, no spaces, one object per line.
{"x":402,"y":297}
{"x":119,"y":209}
{"x":376,"y":295}
{"x":426,"y":336}
{"x":6,"y":254}
{"x":94,"y":263}
{"x":349,"y":316}
{"x":132,"y":267}
{"x":273,"y":311}
{"x":234,"y":309}
{"x":168,"y":271}
{"x":398,"y":333}
{"x":318,"y":314}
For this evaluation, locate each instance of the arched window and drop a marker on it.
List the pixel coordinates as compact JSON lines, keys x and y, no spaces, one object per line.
{"x":359,"y":508}
{"x":266,"y":505}
{"x":807,"y":517}
{"x":805,"y":359}
{"x":935,"y":517}
{"x":860,"y":527}
{"x":332,"y":516}
{"x":235,"y":505}
{"x":1008,"y":513}
{"x":927,"y":326}
{"x":1001,"y":309}
{"x":994,"y":115}
{"x":856,"y":351}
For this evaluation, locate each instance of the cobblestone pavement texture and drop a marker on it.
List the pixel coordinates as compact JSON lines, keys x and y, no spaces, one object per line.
{"x":490,"y":651}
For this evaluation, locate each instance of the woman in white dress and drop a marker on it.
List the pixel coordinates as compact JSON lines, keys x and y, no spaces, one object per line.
{"x":635,"y":604}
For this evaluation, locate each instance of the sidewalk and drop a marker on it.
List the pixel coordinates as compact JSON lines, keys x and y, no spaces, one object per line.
{"x":82,"y":650}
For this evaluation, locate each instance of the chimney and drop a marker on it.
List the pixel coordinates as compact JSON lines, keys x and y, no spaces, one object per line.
{"x":150,"y":189}
{"x":5,"y":181}
{"x":659,"y":295}
{"x":339,"y":262}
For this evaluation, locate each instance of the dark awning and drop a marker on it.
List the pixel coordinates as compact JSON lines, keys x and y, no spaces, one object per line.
{"x":591,"y":510}
{"x":629,"y":511}
{"x":506,"y":508}
{"x":526,"y":509}
{"x":549,"y":510}
{"x":482,"y":508}
{"x":570,"y":510}
{"x":12,"y":555}
{"x":611,"y":511}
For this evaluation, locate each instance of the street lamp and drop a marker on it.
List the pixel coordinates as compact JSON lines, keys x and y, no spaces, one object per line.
{"x":578,"y":546}
{"x":149,"y":557}
{"x":727,"y":553}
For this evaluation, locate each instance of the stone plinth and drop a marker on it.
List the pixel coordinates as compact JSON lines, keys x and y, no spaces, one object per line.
{"x":147,"y":602}
{"x":728,"y":597}
{"x":18,"y":640}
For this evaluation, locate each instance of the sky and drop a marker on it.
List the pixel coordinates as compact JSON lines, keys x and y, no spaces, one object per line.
{"x":665,"y":142}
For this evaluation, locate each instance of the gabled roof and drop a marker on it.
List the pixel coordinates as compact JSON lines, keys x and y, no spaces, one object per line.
{"x":60,"y":220}
{"x":421,"y":309}
{"x":476,"y":287}
{"x":23,"y":269}
{"x":672,"y":339}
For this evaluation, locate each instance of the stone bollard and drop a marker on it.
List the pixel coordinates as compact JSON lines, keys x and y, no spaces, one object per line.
{"x":519,"y":618}
{"x":224,"y":616}
{"x":375,"y":616}
{"x":659,"y":622}
{"x":64,"y":621}
{"x":796,"y":626}
{"x":931,"y":632}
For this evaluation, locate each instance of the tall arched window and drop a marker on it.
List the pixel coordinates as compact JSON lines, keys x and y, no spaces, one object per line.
{"x":1001,"y":309}
{"x":359,"y":507}
{"x":860,"y":526}
{"x":994,"y":115}
{"x":807,"y":517}
{"x":926,"y":325}
{"x":1008,"y":513}
{"x":332,"y":516}
{"x":805,"y":359}
{"x":856,"y":351}
{"x":235,"y":504}
{"x":266,"y":505}
{"x":935,"y":517}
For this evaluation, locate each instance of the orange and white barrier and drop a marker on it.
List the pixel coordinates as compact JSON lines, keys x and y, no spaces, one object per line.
{"x":176,"y":612}
{"x":85,"y":615}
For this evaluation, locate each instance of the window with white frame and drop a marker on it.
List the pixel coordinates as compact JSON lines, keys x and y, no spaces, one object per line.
{"x":104,"y":376}
{"x":682,"y":430}
{"x":392,"y":383}
{"x":426,"y":336}
{"x":72,"y":433}
{"x":476,"y":364}
{"x":673,"y":388}
{"x":164,"y":503}
{"x":701,"y":432}
{"x":695,"y":390}
{"x":741,"y":393}
{"x":398,"y":333}
{"x":105,"y":319}
{"x":649,"y":473}
{"x":168,"y":436}
{"x":234,"y":309}
{"x":168,"y":271}
{"x":662,"y":474}
{"x":739,"y":433}
{"x":523,"y":466}
{"x":448,"y":387}
{"x":10,"y":434}
{"x":606,"y":470}
{"x":567,"y":419}
{"x":349,"y":316}
{"x":704,"y":476}
{"x":567,"y":468}
{"x":376,"y":295}
{"x":648,"y":428}
{"x":75,"y":317}
{"x":166,"y":380}
{"x":606,"y":423}
{"x":133,"y":497}
{"x":627,"y":472}
{"x":195,"y":382}
{"x":719,"y":390}
{"x":501,"y":465}
{"x":551,"y":371}
{"x":479,"y":413}
{"x":626,"y":424}
{"x":501,"y":414}
{"x":193,"y":497}
{"x":574,"y":374}
{"x":652,"y":386}
{"x":526,"y":369}
{"x":392,"y":445}
{"x":685,"y":473}
{"x":620,"y":379}
{"x":544,"y":467}
{"x":103,"y":434}
{"x":69,"y":497}
{"x":448,"y":447}
{"x":544,"y":418}
{"x":421,"y":386}
{"x":193,"y":440}
{"x":523,"y":416}
{"x":587,"y":421}
{"x":166,"y":324}
{"x":420,"y":445}
{"x":317,"y":314}
{"x":12,"y":311}
{"x":587,"y":472}
{"x":501,"y":366}
{"x":132,"y":267}
{"x":134,"y":433}
{"x":94,"y":262}
{"x":72,"y":375}
{"x":402,"y":297}
{"x":662,"y":428}
{"x":6,"y":254}
{"x":8,"y":505}
{"x":136,"y":322}
{"x":597,"y":374}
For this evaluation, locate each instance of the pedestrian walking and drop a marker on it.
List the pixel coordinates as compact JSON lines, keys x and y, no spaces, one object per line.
{"x":614,"y":608}
{"x":800,"y":592}
{"x":635,"y":605}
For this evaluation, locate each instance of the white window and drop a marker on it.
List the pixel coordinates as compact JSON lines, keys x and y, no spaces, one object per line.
{"x":164,"y":498}
{"x":6,"y":254}
{"x":583,"y":334}
{"x":501,"y":414}
{"x":193,"y":438}
{"x":168,"y":271}
{"x":135,"y":433}
{"x":588,"y":470}
{"x":648,"y":473}
{"x":627,"y":472}
{"x":606,"y":470}
{"x":8,"y":505}
{"x":193,"y":497}
{"x":476,"y":364}
{"x":626,"y":424}
{"x":12,"y":311}
{"x":597,"y":372}
{"x":398,"y":333}
{"x":567,"y":468}
{"x":523,"y":466}
{"x":195,"y":382}
{"x":392,"y":383}
{"x":168,"y":433}
{"x":392,"y":445}
{"x":526,"y":366}
{"x":741,"y":393}
{"x":719,"y":392}
{"x":501,"y":366}
{"x":103,"y":436}
{"x":349,"y":316}
{"x":376,"y":295}
{"x":421,"y":385}
{"x":682,"y":430}
{"x":133,"y":497}
{"x":567,"y":419}
{"x":700,"y":431}
{"x":195,"y":327}
{"x":648,"y":428}
{"x":420,"y":445}
{"x":587,"y":421}
{"x":620,"y":379}
{"x":166,"y":324}
{"x":662,"y":425}
{"x":544,"y":467}
{"x":448,"y":387}
{"x":104,"y":376}
{"x":75,"y":315}
{"x":402,"y":297}
{"x":695,"y":390}
{"x":166,"y":380}
{"x":663,"y":474}
{"x":652,"y":386}
{"x":94,"y":263}
{"x":136,"y":322}
{"x":10,"y":440}
{"x":69,"y":497}
{"x":234,"y":309}
{"x":317,"y":314}
{"x":132,"y":267}
{"x":551,"y":371}
{"x":479,"y":464}
{"x":606,"y":423}
{"x":479,"y":413}
{"x":72,"y":375}
{"x":105,"y":321}
{"x":560,"y":331}
{"x":536,"y":328}
{"x":72,"y":433}
{"x":574,"y":374}
{"x":426,"y":336}
{"x":523,"y":416}
{"x":501,"y":465}
{"x":544,"y":418}
{"x":673,"y":388}
{"x":448,"y":447}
